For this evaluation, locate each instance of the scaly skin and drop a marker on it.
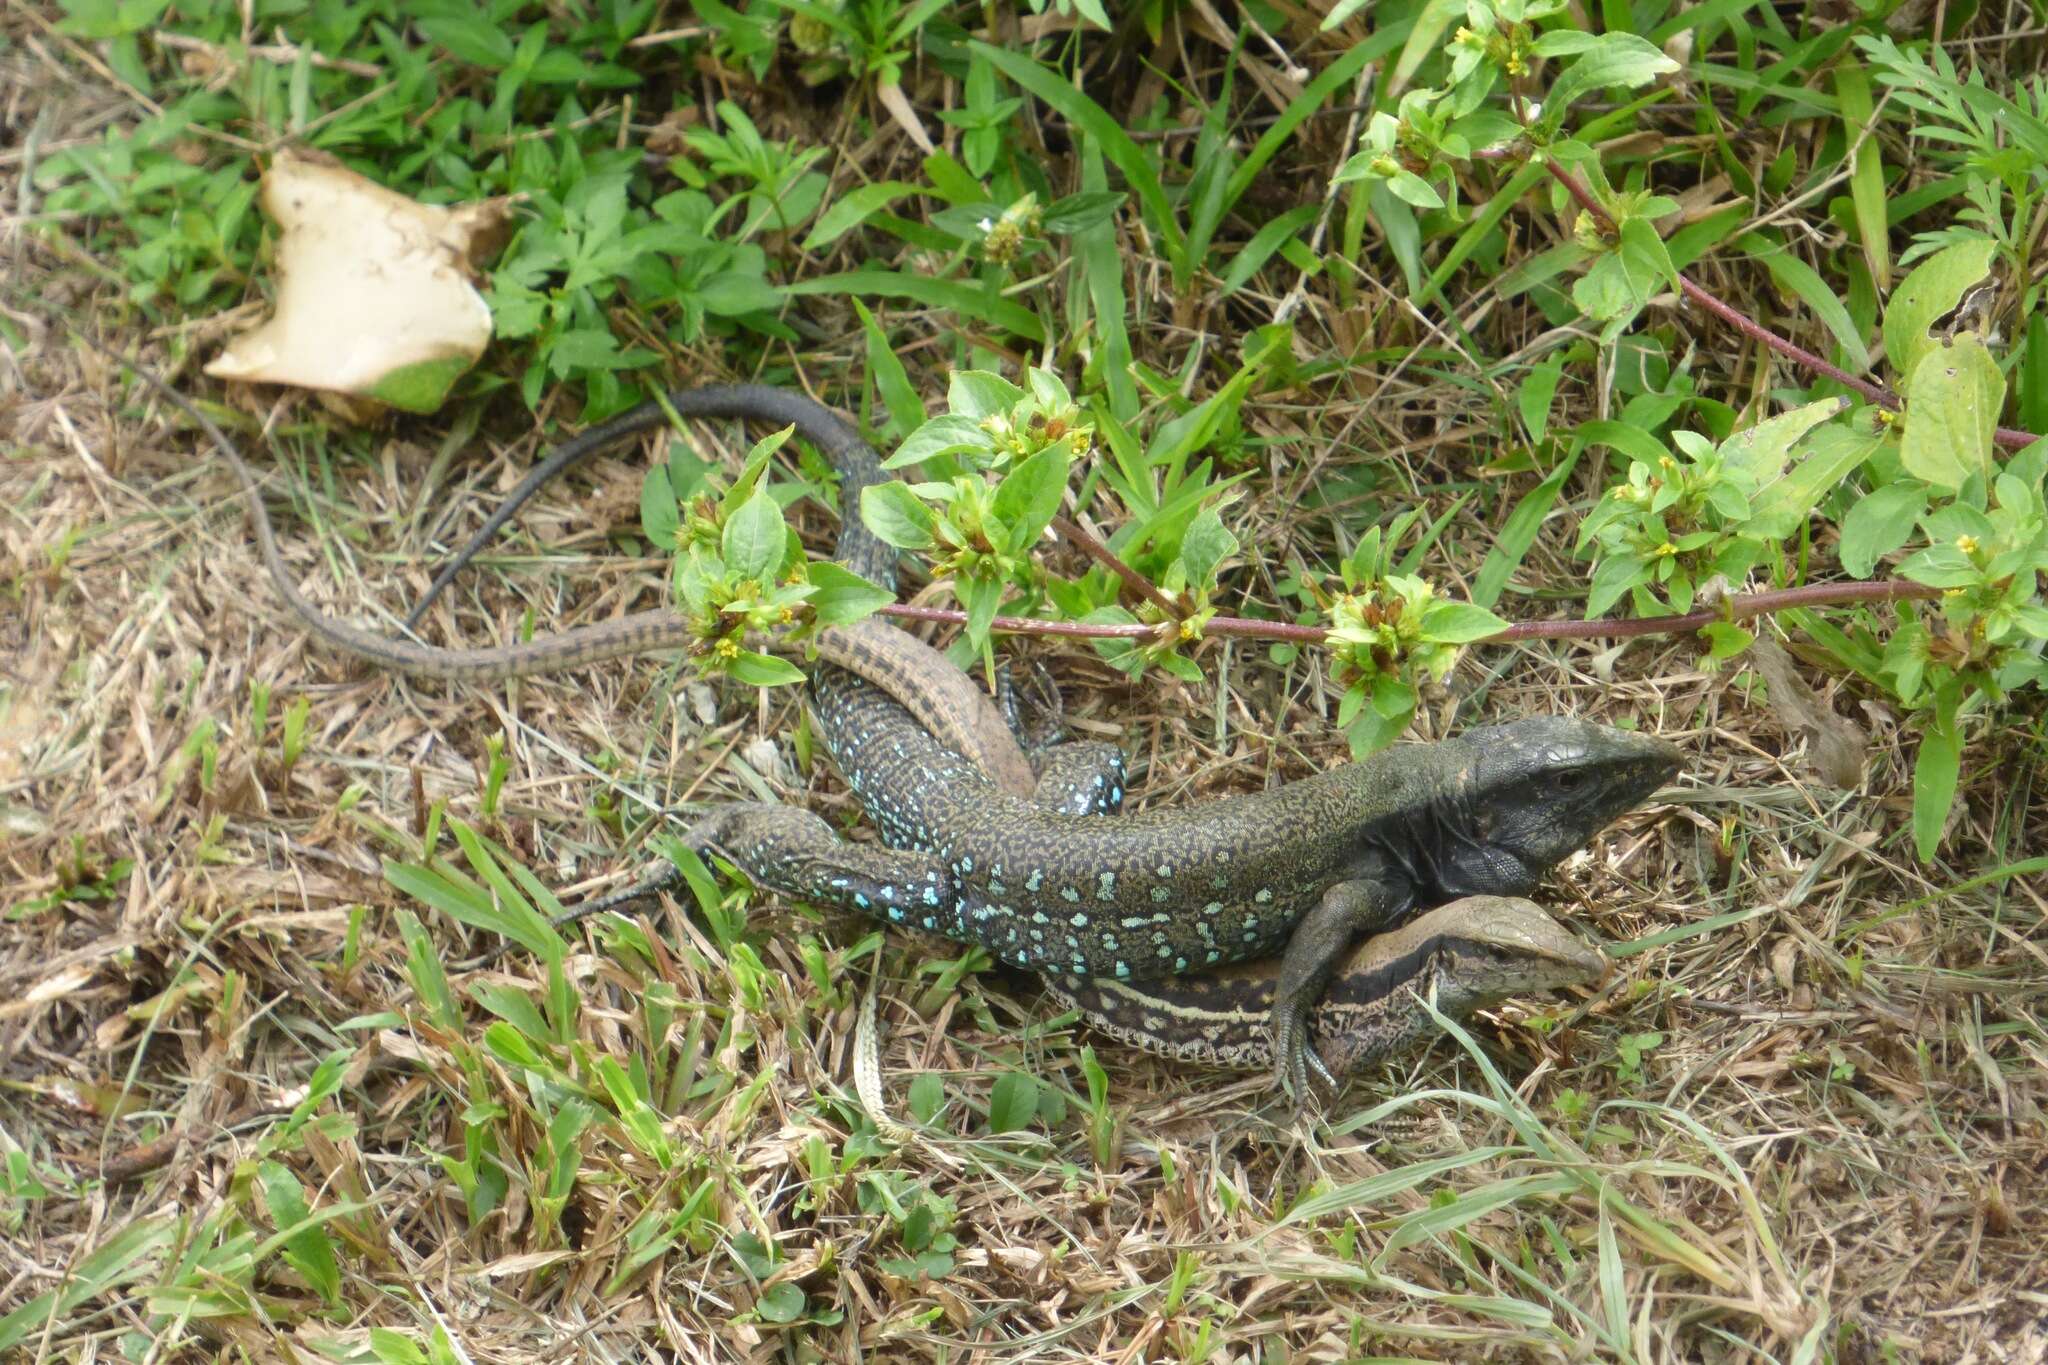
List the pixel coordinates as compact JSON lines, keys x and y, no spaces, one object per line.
{"x":1468,"y":955}
{"x":1311,"y":865}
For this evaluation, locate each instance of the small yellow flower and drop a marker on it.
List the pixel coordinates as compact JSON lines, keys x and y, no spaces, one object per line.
{"x":1967,"y":544}
{"x":726,"y":649}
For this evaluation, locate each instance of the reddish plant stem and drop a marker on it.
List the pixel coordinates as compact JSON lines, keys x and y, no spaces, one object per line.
{"x":1103,"y":555}
{"x":1736,"y":608}
{"x":2007,"y":437}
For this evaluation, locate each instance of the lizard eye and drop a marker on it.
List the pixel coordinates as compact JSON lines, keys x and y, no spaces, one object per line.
{"x":1569,"y":780}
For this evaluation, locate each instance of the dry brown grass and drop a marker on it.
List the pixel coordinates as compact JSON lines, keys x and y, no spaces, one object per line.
{"x":1835,"y":1148}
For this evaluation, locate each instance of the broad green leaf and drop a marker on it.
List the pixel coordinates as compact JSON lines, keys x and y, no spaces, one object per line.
{"x":1206,"y":544}
{"x":1880,"y":523}
{"x":1519,"y":533}
{"x":976,"y":394}
{"x":1533,"y":398}
{"x":764,"y":670}
{"x":755,"y":539}
{"x":1264,"y":243}
{"x":946,"y":434}
{"x":1029,"y":496}
{"x":1762,"y":449}
{"x":781,"y":1303}
{"x":660,"y":518}
{"x":897,"y":515}
{"x":853,"y":208}
{"x":843,"y":596}
{"x":1012,"y":1102}
{"x":306,"y":1245}
{"x":1458,"y":623}
{"x":1952,"y":404}
{"x":1831,"y":455}
{"x":1620,"y":59}
{"x":1935,"y":771}
{"x":885,"y":367}
{"x":1934,"y":288}
{"x":981,"y":597}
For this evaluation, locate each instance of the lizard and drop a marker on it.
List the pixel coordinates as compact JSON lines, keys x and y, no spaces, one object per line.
{"x":1311,"y":865}
{"x":1059,"y":886}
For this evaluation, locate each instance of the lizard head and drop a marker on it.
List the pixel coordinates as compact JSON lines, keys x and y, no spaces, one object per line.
{"x":1531,"y":792}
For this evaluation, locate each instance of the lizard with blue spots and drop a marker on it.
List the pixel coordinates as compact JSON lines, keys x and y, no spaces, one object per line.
{"x":1084,"y":890}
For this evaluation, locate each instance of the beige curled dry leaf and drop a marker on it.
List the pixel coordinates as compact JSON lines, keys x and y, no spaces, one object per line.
{"x":375,"y":305}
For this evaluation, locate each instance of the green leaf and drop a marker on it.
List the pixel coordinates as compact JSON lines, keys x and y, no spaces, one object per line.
{"x":1725,"y":641}
{"x":853,"y":208}
{"x":975,"y":394}
{"x":1952,"y":404}
{"x":1880,"y":523}
{"x":927,"y":1097}
{"x":1029,"y":496}
{"x":1263,"y":244}
{"x":975,"y":301}
{"x":1411,"y":188}
{"x":1459,"y":623}
{"x":469,"y":37}
{"x":982,"y":597}
{"x":306,"y":1246}
{"x":1934,"y":288}
{"x":906,"y":409}
{"x":1012,"y":1102}
{"x":843,"y":596}
{"x":1798,"y":278}
{"x":1206,"y":543}
{"x":1079,"y":212}
{"x":660,"y":518}
{"x":1103,"y":130}
{"x":1833,"y":453}
{"x":781,"y":1303}
{"x":1866,"y":176}
{"x":1935,"y":771}
{"x":756,"y":537}
{"x":897,"y":515}
{"x":947,"y":434}
{"x":1620,"y":59}
{"x":1616,"y":575}
{"x":764,"y":670}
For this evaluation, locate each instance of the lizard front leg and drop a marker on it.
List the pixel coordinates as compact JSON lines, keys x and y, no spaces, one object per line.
{"x":1347,"y":911}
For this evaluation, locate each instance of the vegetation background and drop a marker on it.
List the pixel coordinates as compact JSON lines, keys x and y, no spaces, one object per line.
{"x":1399,"y":320}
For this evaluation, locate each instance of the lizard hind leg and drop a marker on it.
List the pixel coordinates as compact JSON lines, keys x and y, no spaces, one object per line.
{"x":1085,"y":777}
{"x":790,"y":850}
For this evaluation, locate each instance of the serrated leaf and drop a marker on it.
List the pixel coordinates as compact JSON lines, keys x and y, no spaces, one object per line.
{"x":755,"y":538}
{"x":897,"y":515}
{"x":1934,"y":288}
{"x":1952,"y":404}
{"x":1879,"y":524}
{"x":843,"y":596}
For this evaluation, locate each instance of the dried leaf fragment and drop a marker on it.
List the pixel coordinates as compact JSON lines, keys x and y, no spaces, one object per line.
{"x":374,"y":293}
